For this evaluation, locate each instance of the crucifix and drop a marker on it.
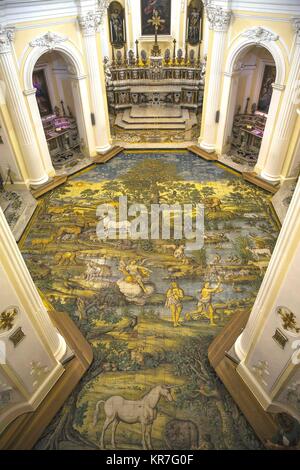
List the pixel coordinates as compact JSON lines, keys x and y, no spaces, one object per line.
{"x":156,"y":21}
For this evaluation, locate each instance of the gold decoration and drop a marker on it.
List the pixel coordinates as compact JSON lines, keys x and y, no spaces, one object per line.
{"x":7,"y":318}
{"x":288,"y":319}
{"x":156,"y":21}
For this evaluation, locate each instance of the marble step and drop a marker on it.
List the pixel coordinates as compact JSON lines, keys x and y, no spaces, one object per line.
{"x":162,"y":111}
{"x":186,"y":124}
{"x":135,"y":126}
{"x":129,"y":119}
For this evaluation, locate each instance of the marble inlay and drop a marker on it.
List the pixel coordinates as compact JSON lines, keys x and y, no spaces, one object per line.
{"x":18,"y":206}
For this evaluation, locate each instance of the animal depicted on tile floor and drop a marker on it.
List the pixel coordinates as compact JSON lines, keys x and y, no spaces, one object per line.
{"x":149,"y":308}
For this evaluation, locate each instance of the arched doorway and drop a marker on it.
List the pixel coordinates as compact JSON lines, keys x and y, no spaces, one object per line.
{"x":64,"y":75}
{"x":57,"y":99}
{"x":246,"y":53}
{"x":255,"y":74}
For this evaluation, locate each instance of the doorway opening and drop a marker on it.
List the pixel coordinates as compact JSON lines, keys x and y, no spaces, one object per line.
{"x":57,"y":97}
{"x":255,"y":74}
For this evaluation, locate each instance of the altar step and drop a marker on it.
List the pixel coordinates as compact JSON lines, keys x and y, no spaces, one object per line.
{"x":185,"y":122}
{"x":160,"y":111}
{"x":129,"y":118}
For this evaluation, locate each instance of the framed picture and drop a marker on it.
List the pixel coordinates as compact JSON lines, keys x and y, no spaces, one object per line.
{"x":266,"y":89}
{"x":194,"y":22}
{"x":42,"y":94}
{"x":116,"y":25}
{"x":164,"y":10}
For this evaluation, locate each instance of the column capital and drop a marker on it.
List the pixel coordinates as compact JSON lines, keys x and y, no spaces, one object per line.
{"x":218,"y":17}
{"x":90,"y":22}
{"x":296,"y":26}
{"x":7,"y":34}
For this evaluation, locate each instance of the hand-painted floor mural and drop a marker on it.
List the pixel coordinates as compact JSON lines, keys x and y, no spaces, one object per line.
{"x":149,"y":309}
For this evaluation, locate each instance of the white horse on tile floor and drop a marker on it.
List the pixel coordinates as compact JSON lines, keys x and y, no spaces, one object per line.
{"x":143,"y":411}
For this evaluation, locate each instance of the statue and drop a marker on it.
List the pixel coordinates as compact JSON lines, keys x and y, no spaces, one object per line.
{"x":194,"y":22}
{"x":203,"y":68}
{"x":107,"y":71}
{"x":116,"y":24}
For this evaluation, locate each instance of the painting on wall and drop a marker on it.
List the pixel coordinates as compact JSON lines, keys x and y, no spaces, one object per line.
{"x":164,"y":10}
{"x":116,"y":25}
{"x":266,"y":88}
{"x":42,"y":94}
{"x":194,"y":22}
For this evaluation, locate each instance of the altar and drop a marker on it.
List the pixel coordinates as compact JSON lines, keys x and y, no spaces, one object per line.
{"x":168,"y":88}
{"x":159,"y":87}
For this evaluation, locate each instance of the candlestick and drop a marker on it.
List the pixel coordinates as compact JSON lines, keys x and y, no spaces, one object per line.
{"x":137,"y":52}
{"x":174,"y":52}
{"x":113,"y":56}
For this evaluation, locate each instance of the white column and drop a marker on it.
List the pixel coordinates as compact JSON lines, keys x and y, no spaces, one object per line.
{"x":89,"y":25}
{"x":128,"y":21}
{"x":219,"y":21}
{"x":286,"y":119}
{"x":30,"y":347}
{"x":293,"y":168}
{"x":270,"y":126}
{"x":18,"y":110}
{"x":266,"y":364}
{"x":39,"y":130}
{"x":20,"y":278}
{"x":286,"y":245}
{"x":81,"y":102}
{"x":227,"y":110}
